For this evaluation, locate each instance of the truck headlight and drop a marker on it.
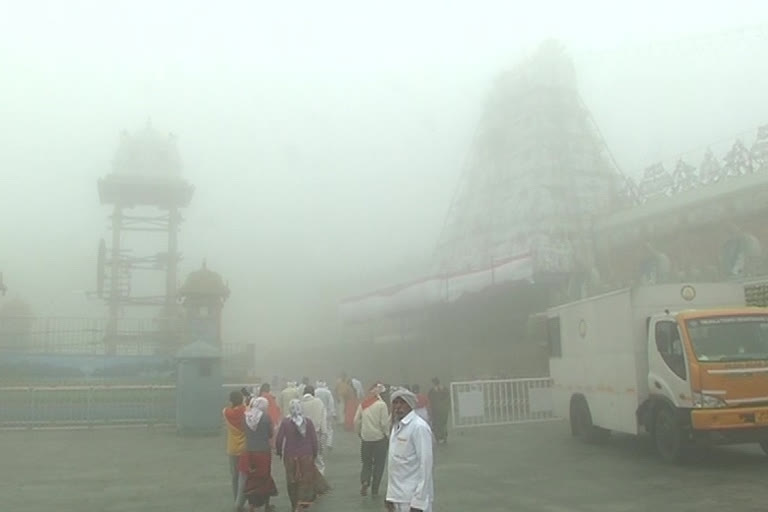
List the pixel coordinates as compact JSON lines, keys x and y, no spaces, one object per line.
{"x":708,"y":401}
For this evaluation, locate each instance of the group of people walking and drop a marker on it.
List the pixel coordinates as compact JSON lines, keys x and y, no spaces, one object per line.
{"x":256,"y":426}
{"x":397,"y":428}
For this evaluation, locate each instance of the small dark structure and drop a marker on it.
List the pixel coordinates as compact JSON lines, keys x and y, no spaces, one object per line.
{"x":198,"y":389}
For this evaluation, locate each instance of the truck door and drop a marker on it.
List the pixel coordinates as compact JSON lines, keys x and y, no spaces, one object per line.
{"x":667,"y":365}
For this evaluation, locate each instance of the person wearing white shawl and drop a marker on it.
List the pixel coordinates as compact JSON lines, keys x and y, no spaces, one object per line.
{"x":326,"y":396}
{"x":410,"y":485}
{"x":255,"y":412}
{"x":296,"y":414}
{"x":314,"y":409}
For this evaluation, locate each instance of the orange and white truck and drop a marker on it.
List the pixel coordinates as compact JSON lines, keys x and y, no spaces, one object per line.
{"x":686,"y":363}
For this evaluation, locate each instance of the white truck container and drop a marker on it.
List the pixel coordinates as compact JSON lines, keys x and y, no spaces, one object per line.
{"x":660,"y":358}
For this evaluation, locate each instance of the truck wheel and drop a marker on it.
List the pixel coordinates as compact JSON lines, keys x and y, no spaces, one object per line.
{"x":668,"y":435}
{"x":581,"y":422}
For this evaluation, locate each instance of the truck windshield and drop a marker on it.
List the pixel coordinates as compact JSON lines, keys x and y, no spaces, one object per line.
{"x":729,"y":338}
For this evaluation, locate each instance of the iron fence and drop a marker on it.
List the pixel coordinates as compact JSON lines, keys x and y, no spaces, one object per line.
{"x":24,"y":407}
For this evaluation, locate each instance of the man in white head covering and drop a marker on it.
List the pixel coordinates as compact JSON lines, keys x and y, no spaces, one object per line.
{"x":324,"y":394}
{"x":314,"y":409}
{"x":410,"y":487}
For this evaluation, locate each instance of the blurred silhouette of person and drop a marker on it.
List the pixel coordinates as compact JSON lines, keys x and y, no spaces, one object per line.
{"x":273,"y":409}
{"x":323,"y":393}
{"x":291,"y":392}
{"x":351,"y":402}
{"x":304,"y":384}
{"x":440,"y":409}
{"x":422,"y":402}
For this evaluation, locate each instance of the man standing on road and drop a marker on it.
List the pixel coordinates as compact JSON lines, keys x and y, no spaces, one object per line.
{"x":314,"y":409}
{"x":323,"y":393}
{"x":234,"y":417}
{"x":372,"y":425}
{"x":410,"y":486}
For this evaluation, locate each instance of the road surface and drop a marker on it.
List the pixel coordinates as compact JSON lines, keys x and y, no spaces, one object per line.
{"x":532,"y":467}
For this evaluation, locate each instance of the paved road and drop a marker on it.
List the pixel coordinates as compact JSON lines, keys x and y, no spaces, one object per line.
{"x":534,"y":467}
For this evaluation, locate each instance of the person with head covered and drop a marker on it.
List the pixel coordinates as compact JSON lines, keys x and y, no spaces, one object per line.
{"x":410,"y":487}
{"x":297,"y":444}
{"x":255,"y":483}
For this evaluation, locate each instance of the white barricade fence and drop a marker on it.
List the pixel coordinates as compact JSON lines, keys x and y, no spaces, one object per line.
{"x":501,"y":402}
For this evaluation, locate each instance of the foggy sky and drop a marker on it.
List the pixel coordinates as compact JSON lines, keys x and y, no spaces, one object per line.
{"x":324,"y":139}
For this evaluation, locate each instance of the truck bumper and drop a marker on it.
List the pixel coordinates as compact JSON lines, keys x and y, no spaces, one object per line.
{"x":731,"y":424}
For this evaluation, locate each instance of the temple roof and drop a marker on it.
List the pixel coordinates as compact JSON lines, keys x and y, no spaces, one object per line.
{"x":204,"y":282}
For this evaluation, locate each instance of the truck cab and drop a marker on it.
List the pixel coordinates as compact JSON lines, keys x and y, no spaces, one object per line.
{"x":707,"y":378}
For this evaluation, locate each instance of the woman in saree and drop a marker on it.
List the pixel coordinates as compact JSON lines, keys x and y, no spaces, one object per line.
{"x":297,"y":443}
{"x":255,"y":465}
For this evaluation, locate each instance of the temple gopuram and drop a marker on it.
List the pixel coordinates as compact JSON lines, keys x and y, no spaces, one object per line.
{"x":542,"y":216}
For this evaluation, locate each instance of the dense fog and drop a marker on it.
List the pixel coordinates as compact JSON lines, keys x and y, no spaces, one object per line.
{"x":324,"y":141}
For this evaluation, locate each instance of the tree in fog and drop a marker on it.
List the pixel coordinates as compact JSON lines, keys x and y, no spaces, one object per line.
{"x":738,"y":161}
{"x":760,"y":150}
{"x":656,"y":182}
{"x":684,"y":177}
{"x":710,"y":170}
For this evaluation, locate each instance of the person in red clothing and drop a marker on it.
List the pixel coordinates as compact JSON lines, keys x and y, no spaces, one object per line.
{"x":273,"y":410}
{"x":256,"y":484}
{"x":234,"y":418}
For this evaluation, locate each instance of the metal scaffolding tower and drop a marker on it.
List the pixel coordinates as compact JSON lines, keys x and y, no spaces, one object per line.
{"x":146,"y":192}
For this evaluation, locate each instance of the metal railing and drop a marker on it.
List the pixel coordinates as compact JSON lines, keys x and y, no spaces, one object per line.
{"x":501,"y":402}
{"x":24,"y":407}
{"x":51,"y":406}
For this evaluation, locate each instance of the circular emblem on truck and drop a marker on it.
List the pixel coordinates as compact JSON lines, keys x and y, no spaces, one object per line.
{"x":582,"y":328}
{"x":688,"y":292}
